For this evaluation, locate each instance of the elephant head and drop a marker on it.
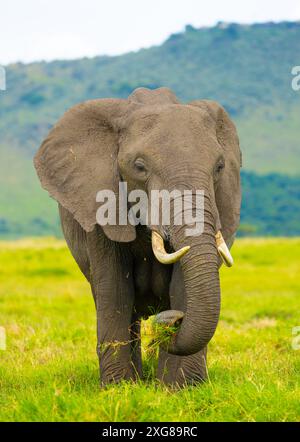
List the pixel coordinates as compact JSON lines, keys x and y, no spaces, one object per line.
{"x":152,"y":141}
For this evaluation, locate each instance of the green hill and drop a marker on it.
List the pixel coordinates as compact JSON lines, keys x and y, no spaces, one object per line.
{"x":246,"y":68}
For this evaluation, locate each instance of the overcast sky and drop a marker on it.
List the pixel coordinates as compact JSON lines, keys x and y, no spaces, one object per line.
{"x":49,"y":29}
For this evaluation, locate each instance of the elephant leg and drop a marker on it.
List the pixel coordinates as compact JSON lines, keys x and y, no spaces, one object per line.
{"x":136,"y":350}
{"x":180,"y":370}
{"x":113,"y":291}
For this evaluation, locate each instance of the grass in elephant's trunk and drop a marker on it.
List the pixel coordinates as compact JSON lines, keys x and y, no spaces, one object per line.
{"x":160,"y":335}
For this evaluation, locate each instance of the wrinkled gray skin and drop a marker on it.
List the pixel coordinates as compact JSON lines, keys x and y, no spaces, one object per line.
{"x":184,"y":146}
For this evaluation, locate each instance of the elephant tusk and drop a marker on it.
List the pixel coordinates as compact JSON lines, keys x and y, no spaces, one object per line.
{"x":223,"y":250}
{"x":160,"y":252}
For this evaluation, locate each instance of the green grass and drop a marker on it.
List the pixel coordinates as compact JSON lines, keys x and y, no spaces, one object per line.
{"x":49,"y":371}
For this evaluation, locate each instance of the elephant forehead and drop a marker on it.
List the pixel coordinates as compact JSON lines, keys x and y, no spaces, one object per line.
{"x":172,"y":120}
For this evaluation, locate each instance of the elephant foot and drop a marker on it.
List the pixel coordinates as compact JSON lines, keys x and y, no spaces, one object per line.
{"x":180,"y":371}
{"x":116,"y":365}
{"x":117,"y":376}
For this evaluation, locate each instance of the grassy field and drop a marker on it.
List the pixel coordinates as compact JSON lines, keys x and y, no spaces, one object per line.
{"x":49,"y":371}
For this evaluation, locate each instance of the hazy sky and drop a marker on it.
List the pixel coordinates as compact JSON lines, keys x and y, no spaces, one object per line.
{"x":48,"y":29}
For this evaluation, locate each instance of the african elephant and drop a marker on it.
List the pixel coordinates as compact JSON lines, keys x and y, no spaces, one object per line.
{"x":152,"y":141}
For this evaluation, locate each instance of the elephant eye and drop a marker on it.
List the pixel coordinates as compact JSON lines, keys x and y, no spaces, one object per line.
{"x":218,"y":169}
{"x":220,"y":166}
{"x":139,"y":165}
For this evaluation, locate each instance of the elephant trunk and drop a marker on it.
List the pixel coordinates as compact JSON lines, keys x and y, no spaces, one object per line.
{"x":202,"y":288}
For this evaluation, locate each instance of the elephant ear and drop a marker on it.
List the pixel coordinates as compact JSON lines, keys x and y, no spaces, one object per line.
{"x":228,"y":191}
{"x":79,"y":158}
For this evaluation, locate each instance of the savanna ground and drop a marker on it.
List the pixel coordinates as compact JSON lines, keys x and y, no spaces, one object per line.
{"x":49,"y":371}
